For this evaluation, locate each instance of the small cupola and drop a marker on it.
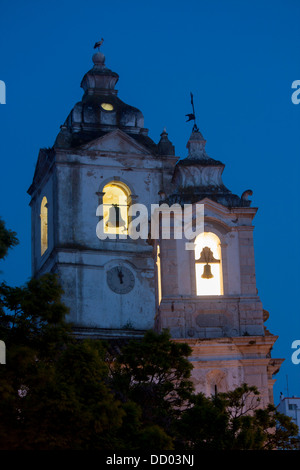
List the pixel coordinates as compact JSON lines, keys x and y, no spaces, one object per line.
{"x":99,"y":80}
{"x":198,"y":176}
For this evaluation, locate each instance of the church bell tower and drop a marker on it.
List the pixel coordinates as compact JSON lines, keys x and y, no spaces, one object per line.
{"x":207,"y":295}
{"x":103,"y":163}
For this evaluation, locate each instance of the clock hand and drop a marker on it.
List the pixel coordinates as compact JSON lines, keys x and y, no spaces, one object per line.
{"x":120,"y":275}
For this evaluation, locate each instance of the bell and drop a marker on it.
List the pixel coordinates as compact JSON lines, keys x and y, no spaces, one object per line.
{"x":207,"y":272}
{"x":115,"y":220}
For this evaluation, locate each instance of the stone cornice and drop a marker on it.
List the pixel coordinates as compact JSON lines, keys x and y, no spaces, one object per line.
{"x":234,"y":352}
{"x":240,"y":347}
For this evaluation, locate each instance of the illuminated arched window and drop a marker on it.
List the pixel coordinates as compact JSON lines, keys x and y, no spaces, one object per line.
{"x":44,"y":225}
{"x":208,"y":264}
{"x":115,"y":207}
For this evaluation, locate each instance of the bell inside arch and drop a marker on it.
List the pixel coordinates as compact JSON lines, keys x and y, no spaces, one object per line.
{"x":207,"y":274}
{"x":114,"y":218}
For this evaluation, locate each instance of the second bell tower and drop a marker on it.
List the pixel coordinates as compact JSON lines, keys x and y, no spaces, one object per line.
{"x":207,"y":296}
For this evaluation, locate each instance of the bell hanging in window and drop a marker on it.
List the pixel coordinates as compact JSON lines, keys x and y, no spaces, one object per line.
{"x":207,"y":257}
{"x":115,"y":219}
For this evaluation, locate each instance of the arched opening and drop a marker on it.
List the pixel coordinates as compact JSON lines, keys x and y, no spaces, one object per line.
{"x":115,"y":208}
{"x":216,"y":382}
{"x":44,"y":225}
{"x":208,"y":263}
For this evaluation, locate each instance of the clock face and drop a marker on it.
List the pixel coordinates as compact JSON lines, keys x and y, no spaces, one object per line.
{"x":120,"y":280}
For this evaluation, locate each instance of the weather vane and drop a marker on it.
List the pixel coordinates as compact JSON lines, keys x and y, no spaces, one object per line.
{"x":192,"y":116}
{"x":98,"y":44}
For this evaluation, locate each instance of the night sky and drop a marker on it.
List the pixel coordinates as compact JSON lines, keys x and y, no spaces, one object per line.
{"x":238,"y":58}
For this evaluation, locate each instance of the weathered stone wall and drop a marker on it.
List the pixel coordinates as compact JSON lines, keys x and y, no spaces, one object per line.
{"x":247,"y":263}
{"x":227,"y":363}
{"x":211,"y":317}
{"x":74,"y":191}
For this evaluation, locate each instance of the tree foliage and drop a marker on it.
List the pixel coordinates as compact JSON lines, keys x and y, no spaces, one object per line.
{"x":152,"y":377}
{"x":8,"y":239}
{"x":33,"y":315}
{"x":235,"y":421}
{"x":53,"y":393}
{"x":155,"y":373}
{"x":58,"y":392}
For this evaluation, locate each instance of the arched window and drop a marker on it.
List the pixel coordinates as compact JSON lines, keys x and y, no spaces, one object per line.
{"x":44,"y":225}
{"x":208,"y":264}
{"x":115,"y":207}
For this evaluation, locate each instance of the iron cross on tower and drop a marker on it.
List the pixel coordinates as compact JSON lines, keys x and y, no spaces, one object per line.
{"x":192,"y":116}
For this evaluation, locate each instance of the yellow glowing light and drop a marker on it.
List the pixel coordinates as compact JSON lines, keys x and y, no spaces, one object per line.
{"x":158,"y":274}
{"x":213,"y":286}
{"x":44,"y":225}
{"x":115,"y":195}
{"x":107,"y":106}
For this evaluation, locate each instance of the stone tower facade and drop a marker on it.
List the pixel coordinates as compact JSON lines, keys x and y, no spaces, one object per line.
{"x":84,"y":188}
{"x":215,"y":309}
{"x":102,"y":151}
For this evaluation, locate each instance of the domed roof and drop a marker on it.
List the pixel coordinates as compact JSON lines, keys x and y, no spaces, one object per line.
{"x":101,"y":111}
{"x":199,"y":176}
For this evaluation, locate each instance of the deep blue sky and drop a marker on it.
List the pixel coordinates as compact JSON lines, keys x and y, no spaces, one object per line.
{"x":238,"y":58}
